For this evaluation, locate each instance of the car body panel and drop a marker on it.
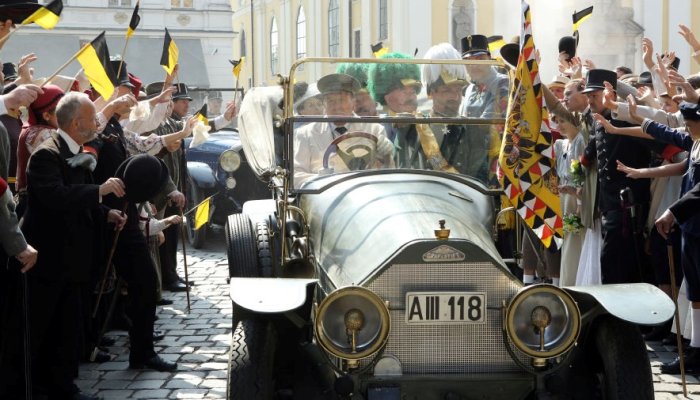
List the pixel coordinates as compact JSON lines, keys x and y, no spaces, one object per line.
{"x":202,"y":174}
{"x":269,"y":295}
{"x":639,"y":303}
{"x":357,"y":224}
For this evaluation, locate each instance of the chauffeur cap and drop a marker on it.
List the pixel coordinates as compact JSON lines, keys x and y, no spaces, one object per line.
{"x":332,"y":83}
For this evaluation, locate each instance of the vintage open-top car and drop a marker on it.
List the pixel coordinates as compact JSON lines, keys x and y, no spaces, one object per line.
{"x":372,"y":277}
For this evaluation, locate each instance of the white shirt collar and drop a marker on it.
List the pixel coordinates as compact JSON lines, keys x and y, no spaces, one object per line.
{"x":73,"y":146}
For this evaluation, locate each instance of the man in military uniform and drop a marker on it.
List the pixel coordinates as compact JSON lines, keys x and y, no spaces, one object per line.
{"x":396,"y":88}
{"x":618,"y":243}
{"x":486,"y":97}
{"x":462,"y":152}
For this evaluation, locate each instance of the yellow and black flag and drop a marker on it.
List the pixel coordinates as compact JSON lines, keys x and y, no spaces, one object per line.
{"x":237,"y":66}
{"x":495,"y":43}
{"x":94,"y":58}
{"x":170,"y":53}
{"x":581,"y":16}
{"x":46,"y":16}
{"x":202,"y":115}
{"x":379,"y":50}
{"x":135,"y":19}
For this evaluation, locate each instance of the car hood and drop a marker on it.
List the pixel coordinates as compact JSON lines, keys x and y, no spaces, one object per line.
{"x":356,"y":224}
{"x":217,"y":142}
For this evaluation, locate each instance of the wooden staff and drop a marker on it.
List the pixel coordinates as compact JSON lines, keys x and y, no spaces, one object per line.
{"x":183,"y":238}
{"x":5,"y":38}
{"x":108,"y":268}
{"x":121,"y":62}
{"x":676,"y":316}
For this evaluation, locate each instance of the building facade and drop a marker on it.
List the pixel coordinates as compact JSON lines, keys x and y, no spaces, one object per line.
{"x":272,"y":34}
{"x":200,"y":28}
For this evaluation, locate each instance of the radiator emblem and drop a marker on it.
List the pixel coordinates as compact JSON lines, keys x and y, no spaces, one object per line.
{"x":443,"y":253}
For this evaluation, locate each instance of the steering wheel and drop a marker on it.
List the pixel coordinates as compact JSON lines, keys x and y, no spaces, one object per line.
{"x":356,"y":156}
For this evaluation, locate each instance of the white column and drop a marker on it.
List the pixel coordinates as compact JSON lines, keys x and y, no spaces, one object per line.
{"x":679,"y":13}
{"x":366,"y":26}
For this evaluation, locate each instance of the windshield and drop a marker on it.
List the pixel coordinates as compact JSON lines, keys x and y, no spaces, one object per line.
{"x":396,"y":113}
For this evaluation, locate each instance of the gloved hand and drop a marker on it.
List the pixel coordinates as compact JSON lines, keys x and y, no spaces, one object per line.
{"x":84,"y":160}
{"x":384,"y":147}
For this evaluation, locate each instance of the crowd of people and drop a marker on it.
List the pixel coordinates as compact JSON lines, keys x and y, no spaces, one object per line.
{"x":84,"y":180}
{"x":624,"y":145}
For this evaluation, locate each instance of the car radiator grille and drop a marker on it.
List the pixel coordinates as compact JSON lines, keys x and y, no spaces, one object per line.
{"x":447,"y":349}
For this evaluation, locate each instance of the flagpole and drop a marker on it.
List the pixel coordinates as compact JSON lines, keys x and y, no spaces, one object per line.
{"x":183,"y":239}
{"x":5,"y":38}
{"x":121,"y":62}
{"x":62,"y":67}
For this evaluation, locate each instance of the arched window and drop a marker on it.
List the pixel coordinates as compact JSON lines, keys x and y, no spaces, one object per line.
{"x":383,"y":20}
{"x":333,"y":29}
{"x":274,"y":47}
{"x":243,"y":48}
{"x":301,"y":33}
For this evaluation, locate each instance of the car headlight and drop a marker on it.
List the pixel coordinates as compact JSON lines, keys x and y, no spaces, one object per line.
{"x":543,"y":321}
{"x":352,"y":323}
{"x":230,"y":160}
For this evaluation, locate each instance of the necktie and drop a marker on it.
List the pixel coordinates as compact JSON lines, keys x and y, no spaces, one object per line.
{"x":339,"y":130}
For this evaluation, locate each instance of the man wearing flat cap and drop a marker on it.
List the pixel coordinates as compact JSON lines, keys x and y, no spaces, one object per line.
{"x":312,"y":140}
{"x":486,"y":97}
{"x":618,"y":242}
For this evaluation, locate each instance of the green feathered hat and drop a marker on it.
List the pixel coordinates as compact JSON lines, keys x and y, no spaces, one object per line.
{"x":383,"y":78}
{"x":356,"y":70}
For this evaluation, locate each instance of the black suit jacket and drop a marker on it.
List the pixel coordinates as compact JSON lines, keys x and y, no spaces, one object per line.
{"x":64,"y":215}
{"x":687,"y":206}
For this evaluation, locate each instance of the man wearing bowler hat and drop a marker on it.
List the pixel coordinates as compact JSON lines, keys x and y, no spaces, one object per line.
{"x":486,"y":97}
{"x":312,"y":140}
{"x":618,"y":242}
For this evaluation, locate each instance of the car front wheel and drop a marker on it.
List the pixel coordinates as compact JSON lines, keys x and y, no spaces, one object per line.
{"x":195,"y":195}
{"x":251,"y":361}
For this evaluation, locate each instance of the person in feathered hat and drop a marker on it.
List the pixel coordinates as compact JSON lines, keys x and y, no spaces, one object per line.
{"x":364,"y":103}
{"x":395,"y":87}
{"x":459,"y":149}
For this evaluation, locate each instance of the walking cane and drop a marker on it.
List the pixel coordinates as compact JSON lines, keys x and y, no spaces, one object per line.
{"x":183,"y":238}
{"x":108,"y":268}
{"x":108,"y":317}
{"x":674,"y":294}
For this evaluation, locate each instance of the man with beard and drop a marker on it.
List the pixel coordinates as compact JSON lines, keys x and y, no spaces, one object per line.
{"x":463,"y":152}
{"x":486,"y":97}
{"x":62,"y":220}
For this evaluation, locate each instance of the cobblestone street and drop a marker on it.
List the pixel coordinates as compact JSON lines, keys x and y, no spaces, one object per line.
{"x":199,"y":342}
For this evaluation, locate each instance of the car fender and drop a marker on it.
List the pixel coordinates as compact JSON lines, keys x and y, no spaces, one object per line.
{"x":638,"y":303}
{"x":269,"y":295}
{"x":201,"y":174}
{"x":259,"y":210}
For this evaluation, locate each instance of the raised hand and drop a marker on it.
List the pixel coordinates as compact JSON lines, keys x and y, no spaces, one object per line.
{"x":633,"y":173}
{"x":647,"y":52}
{"x":689,"y":37}
{"x":24,"y":70}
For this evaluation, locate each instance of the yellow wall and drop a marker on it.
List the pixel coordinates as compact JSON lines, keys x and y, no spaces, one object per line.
{"x":440,"y":21}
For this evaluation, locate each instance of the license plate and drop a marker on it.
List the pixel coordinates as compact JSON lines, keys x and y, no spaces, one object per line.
{"x":445,"y":308}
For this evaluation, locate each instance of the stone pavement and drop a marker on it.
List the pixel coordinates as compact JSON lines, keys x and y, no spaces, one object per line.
{"x":199,"y":342}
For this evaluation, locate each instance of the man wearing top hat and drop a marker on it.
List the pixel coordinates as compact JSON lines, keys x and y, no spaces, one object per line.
{"x":617,"y":227}
{"x":485,"y":97}
{"x":312,"y":140}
